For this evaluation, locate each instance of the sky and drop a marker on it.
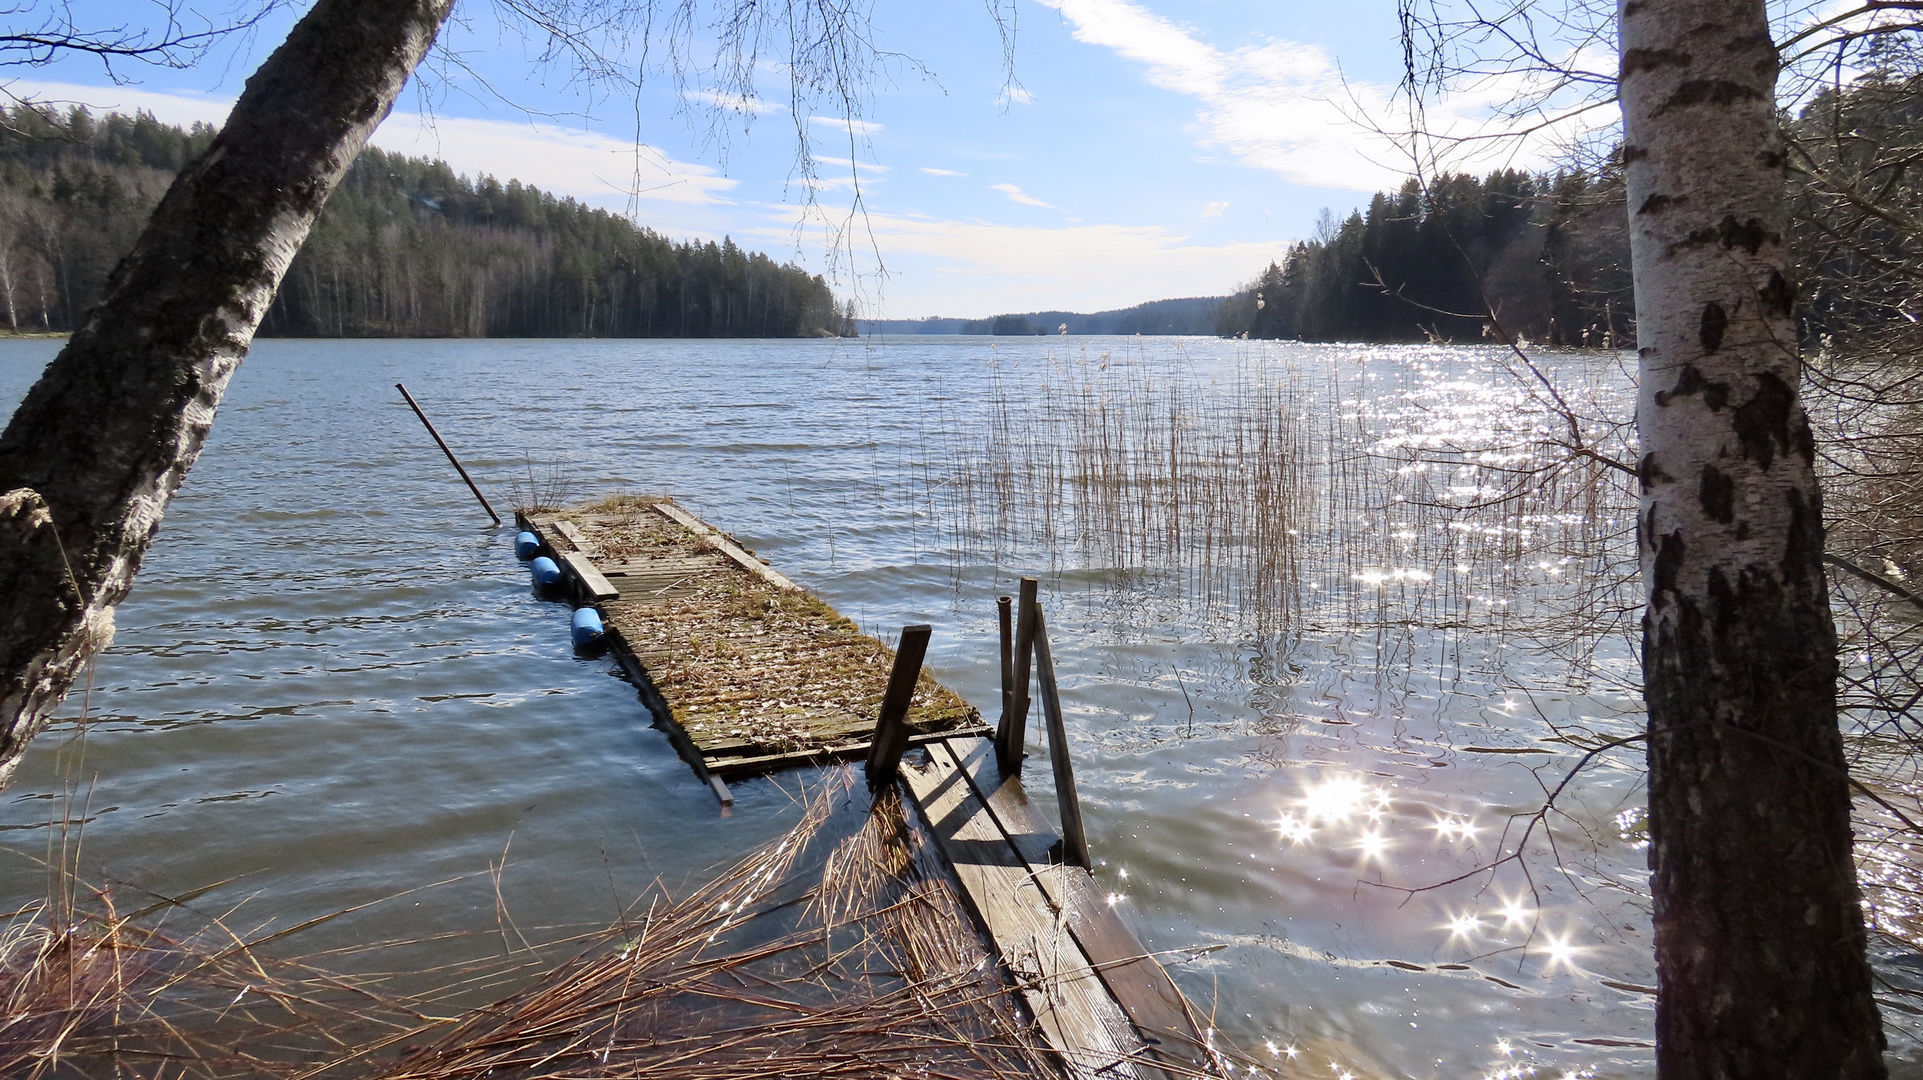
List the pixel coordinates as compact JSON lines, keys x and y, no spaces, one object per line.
{"x":1143,"y":150}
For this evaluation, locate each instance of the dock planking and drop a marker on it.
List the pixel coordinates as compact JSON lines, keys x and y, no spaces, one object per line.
{"x":747,"y":671}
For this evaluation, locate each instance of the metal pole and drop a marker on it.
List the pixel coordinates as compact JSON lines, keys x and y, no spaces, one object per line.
{"x":450,"y":454}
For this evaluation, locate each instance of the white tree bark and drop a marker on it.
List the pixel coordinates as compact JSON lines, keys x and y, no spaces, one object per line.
{"x":1759,"y":933}
{"x":102,"y":441}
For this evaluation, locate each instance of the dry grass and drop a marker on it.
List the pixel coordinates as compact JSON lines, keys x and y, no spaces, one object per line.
{"x":741,"y":663}
{"x":841,"y":950}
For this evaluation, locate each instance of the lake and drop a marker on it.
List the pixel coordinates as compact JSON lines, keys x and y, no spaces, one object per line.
{"x":1299,"y":691}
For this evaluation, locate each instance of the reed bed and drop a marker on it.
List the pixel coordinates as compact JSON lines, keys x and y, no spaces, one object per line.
{"x":1275,"y":491}
{"x":163,"y":991}
{"x":841,"y":950}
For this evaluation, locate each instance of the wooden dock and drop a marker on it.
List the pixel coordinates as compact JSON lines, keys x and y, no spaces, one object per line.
{"x":747,"y":672}
{"x":750,"y":673}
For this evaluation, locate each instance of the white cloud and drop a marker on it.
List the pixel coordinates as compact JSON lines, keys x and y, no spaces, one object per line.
{"x":1285,"y":106}
{"x":941,"y":172}
{"x":1014,"y":95}
{"x":974,"y":267}
{"x":735,"y":103}
{"x":1016,"y":194}
{"x":588,"y":166}
{"x":564,"y":161}
{"x":859,"y":129}
{"x":182,"y":108}
{"x":1214,"y":209}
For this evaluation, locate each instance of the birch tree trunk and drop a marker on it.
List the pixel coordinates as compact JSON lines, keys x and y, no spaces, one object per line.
{"x":102,"y":441}
{"x":1759,"y":932}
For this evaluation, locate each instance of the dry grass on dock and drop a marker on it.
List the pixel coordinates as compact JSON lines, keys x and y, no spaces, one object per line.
{"x":742,"y":664}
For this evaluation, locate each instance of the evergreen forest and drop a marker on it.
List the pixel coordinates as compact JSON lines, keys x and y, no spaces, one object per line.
{"x":405,"y":248}
{"x":1545,"y":258}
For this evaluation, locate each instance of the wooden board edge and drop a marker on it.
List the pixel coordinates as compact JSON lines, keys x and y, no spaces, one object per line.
{"x":714,"y":539}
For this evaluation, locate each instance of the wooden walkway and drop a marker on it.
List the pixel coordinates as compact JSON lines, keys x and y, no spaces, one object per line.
{"x":750,"y":673}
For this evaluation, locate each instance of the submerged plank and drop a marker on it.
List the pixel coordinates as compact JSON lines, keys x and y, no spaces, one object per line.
{"x":1069,"y":1002}
{"x":1139,"y":983}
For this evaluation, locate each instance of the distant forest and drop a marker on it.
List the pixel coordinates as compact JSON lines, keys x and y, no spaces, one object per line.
{"x":1188,"y":315}
{"x":1548,"y":255}
{"x":405,"y":248}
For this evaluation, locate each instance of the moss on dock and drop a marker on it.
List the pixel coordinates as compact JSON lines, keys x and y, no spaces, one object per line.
{"x":748,"y":670}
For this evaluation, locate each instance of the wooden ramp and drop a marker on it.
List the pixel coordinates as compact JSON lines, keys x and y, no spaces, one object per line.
{"x":1105,"y":1004}
{"x":744,"y":669}
{"x":750,"y":673}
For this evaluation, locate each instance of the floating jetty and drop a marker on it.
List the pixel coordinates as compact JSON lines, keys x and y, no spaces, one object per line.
{"x":749,"y":673}
{"x":745,"y":670}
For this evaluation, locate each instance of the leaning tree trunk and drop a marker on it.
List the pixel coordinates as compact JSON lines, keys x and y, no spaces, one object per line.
{"x":102,"y":441}
{"x":1759,"y":933}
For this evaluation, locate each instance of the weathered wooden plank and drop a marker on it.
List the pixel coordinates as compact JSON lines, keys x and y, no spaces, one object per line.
{"x":566,"y":528}
{"x":725,"y":546}
{"x":1081,"y":1021}
{"x":597,"y":587}
{"x":1138,"y":982}
{"x":724,"y":764}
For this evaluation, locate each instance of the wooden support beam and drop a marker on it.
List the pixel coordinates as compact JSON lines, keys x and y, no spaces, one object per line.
{"x":1074,"y":840}
{"x":1012,"y":734}
{"x":891,"y":725}
{"x":593,"y":585}
{"x":1004,"y":616}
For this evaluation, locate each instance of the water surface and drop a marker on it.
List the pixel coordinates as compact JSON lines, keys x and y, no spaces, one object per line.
{"x":333,"y":685}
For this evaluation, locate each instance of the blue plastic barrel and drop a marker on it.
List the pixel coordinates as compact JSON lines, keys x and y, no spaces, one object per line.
{"x":527,"y":545}
{"x":587,"y":627}
{"x":546,"y":572}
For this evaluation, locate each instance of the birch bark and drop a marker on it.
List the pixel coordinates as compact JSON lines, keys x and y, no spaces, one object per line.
{"x":1759,"y":932}
{"x":102,"y":441}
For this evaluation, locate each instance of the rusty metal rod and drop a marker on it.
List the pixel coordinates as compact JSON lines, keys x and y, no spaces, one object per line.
{"x":450,"y":454}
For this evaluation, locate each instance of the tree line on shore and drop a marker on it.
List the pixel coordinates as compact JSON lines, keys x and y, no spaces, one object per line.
{"x":405,"y":248}
{"x":1545,"y":257}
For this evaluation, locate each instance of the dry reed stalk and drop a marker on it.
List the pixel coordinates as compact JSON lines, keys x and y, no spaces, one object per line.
{"x":813,"y":957}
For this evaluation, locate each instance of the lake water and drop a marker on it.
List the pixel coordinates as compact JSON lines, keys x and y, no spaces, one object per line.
{"x":332,"y":684}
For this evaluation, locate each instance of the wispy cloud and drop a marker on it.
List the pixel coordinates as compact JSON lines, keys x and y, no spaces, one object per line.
{"x":735,"y":103}
{"x":949,"y":267}
{"x":1284,"y":105}
{"x":1214,"y":209}
{"x":1016,"y":194}
{"x":860,"y":129}
{"x":1014,"y":95}
{"x":591,"y":167}
{"x":941,"y":172}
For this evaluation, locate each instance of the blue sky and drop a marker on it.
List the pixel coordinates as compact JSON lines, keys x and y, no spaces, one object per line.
{"x":1152,"y":149}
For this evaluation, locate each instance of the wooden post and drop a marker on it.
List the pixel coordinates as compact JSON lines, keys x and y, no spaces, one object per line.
{"x":891,"y":726}
{"x":1074,"y":840}
{"x":1012,"y":734}
{"x":456,"y":462}
{"x":1005,"y":614}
